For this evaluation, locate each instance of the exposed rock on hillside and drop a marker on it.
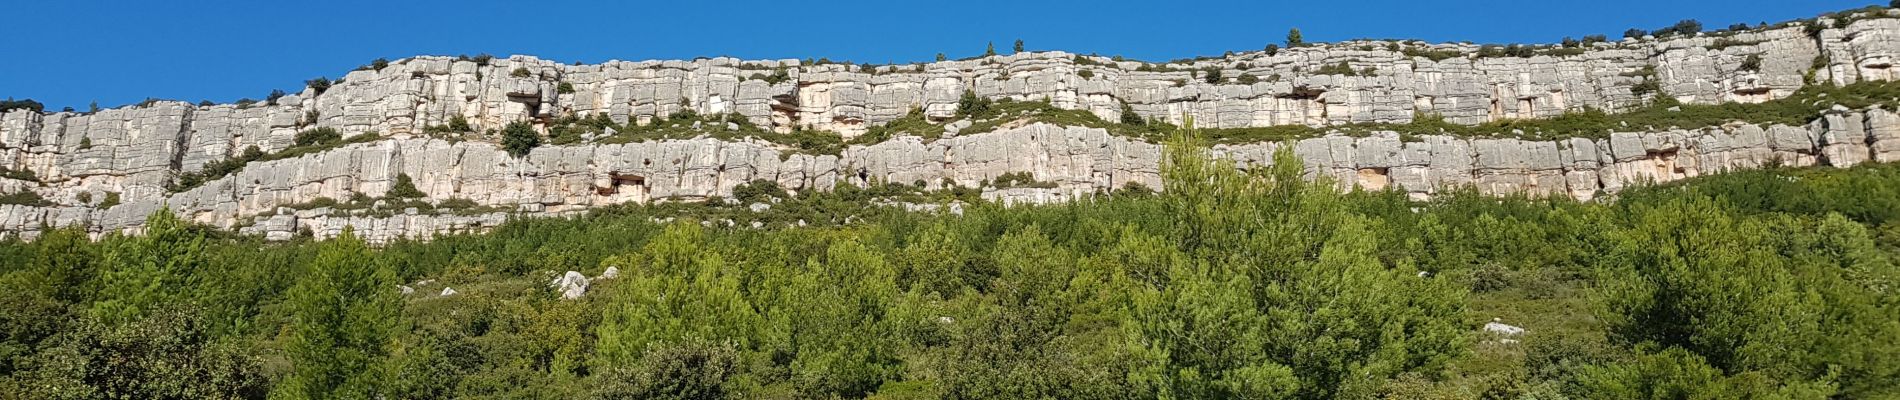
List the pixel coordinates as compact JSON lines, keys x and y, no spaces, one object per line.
{"x":132,"y":155}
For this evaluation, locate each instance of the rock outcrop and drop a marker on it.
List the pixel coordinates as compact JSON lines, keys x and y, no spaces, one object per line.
{"x":132,"y":154}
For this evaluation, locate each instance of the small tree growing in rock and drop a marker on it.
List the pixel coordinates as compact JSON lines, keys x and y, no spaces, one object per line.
{"x":1130,"y":117}
{"x":319,"y":84}
{"x":518,"y":138}
{"x":971,"y":105}
{"x":1019,"y":46}
{"x":1294,"y":39}
{"x":404,"y":188}
{"x":991,"y":50}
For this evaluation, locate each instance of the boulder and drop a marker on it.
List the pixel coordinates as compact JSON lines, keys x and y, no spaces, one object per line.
{"x":572,"y":285}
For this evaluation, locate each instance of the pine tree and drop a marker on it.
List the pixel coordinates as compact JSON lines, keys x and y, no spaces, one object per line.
{"x":1294,"y":39}
{"x":151,"y":270}
{"x":990,"y":51}
{"x":345,"y":314}
{"x":1019,"y":46}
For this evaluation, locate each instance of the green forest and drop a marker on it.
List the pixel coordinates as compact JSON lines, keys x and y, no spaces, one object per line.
{"x":1228,"y":283}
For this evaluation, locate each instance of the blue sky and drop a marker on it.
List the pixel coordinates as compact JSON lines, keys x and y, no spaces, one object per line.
{"x":73,"y":52}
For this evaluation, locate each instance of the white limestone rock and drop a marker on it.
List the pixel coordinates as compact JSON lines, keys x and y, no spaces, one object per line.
{"x":572,"y":285}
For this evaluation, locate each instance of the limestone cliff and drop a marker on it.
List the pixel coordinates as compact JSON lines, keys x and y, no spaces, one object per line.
{"x":132,"y":153}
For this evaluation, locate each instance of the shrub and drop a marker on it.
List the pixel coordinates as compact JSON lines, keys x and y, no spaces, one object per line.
{"x":19,"y":174}
{"x":318,"y":136}
{"x":1645,"y":88}
{"x":478,"y":59}
{"x":1085,"y":74}
{"x":564,"y":88}
{"x":519,"y":137}
{"x":1213,"y":75}
{"x":457,"y":203}
{"x":1724,"y":43}
{"x":1342,"y":68}
{"x":1247,"y":79}
{"x":1129,"y":116}
{"x":971,"y":105}
{"x":777,"y":76}
{"x":1752,"y":63}
{"x":1020,"y":179}
{"x":1634,"y":33}
{"x":1431,"y":54}
{"x":319,"y":84}
{"x":1684,"y":27}
{"x":404,"y":188}
{"x":758,"y":191}
{"x":520,"y":72}
{"x":28,"y":104}
{"x":24,"y":198}
{"x":112,"y":199}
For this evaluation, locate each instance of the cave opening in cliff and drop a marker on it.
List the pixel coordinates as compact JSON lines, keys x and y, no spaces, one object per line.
{"x":1374,"y":179}
{"x":623,"y":188}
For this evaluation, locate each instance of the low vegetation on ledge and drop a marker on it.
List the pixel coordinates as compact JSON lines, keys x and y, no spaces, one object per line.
{"x":311,"y":141}
{"x":986,"y":115}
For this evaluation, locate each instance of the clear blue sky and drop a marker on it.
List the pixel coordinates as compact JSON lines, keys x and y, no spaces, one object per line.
{"x":72,"y":52}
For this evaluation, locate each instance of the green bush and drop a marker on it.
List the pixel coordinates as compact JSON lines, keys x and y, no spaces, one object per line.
{"x":28,"y":104}
{"x":319,"y":84}
{"x":317,"y":136}
{"x":404,"y":188}
{"x":24,"y":198}
{"x":19,"y":174}
{"x":519,"y":137}
{"x":973,"y":106}
{"x":1342,"y":68}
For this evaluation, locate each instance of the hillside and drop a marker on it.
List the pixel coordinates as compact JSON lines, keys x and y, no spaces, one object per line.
{"x":1581,"y":119}
{"x":1683,"y":215}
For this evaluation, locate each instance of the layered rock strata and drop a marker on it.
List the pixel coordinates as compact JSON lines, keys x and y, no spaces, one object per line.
{"x":132,"y":153}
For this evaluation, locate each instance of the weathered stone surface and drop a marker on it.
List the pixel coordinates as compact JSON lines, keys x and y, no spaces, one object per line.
{"x":132,"y":153}
{"x":572,"y":285}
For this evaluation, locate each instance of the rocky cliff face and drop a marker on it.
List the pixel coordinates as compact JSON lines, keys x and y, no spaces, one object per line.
{"x":132,"y":153}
